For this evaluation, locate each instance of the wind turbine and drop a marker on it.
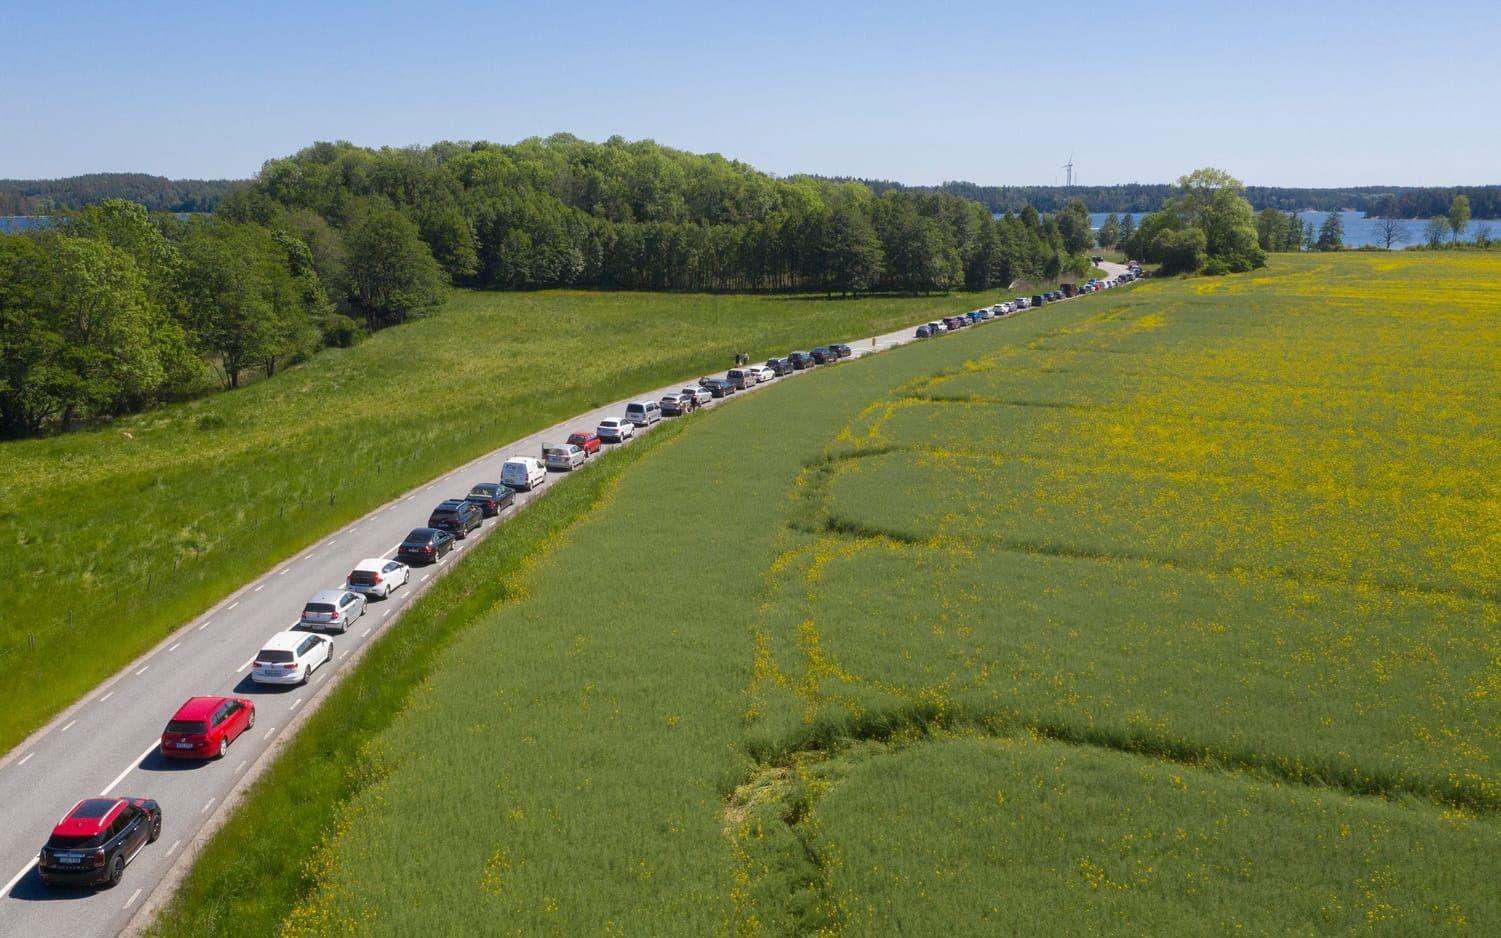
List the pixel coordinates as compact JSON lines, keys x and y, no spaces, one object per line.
{"x":1069,"y":166}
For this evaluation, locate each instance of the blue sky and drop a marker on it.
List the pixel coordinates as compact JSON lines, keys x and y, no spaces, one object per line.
{"x":1311,"y":93}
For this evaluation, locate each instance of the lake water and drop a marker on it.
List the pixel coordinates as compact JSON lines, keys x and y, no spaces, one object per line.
{"x":10,"y":224}
{"x":1360,"y":230}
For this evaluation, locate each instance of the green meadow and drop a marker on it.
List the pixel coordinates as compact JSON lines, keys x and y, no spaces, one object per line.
{"x":1167,"y":610}
{"x":115,"y":537}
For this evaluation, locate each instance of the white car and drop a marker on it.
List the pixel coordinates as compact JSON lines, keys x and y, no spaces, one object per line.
{"x":938,"y":327}
{"x":291,"y":658}
{"x":377,"y":576}
{"x":701,"y":395}
{"x":333,"y":609}
{"x":522,"y":473}
{"x":613,"y":430}
{"x":563,"y":456}
{"x":763,"y":374}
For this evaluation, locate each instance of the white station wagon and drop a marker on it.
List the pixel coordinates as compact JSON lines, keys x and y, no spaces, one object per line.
{"x":291,"y":658}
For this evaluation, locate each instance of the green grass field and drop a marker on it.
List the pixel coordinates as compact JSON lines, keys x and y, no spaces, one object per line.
{"x":185,"y":503}
{"x":1167,"y":610}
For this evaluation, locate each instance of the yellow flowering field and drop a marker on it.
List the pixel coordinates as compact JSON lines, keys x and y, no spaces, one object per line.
{"x":1174,"y":609}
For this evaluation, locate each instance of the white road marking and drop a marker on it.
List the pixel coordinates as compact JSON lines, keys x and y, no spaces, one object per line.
{"x":206,"y":624}
{"x":241,"y":767}
{"x":172,"y":849}
{"x":259,"y":588}
{"x":133,"y":897}
{"x":17,"y":878}
{"x":133,"y":763}
{"x":175,"y":647}
{"x":106,"y":696}
{"x":385,"y":613}
{"x":343,"y":653}
{"x":26,"y":758}
{"x":210,"y":804}
{"x":425,"y":576}
{"x":268,"y":733}
{"x":232,"y":605}
{"x":68,"y":726}
{"x":245,"y":665}
{"x":283,"y":571}
{"x":295,"y":704}
{"x":143,"y":670}
{"x":364,"y":633}
{"x":330,"y":543}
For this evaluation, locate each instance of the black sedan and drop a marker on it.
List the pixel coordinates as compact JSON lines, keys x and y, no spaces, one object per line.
{"x":425,"y":545}
{"x":492,"y":497}
{"x":718,"y":387}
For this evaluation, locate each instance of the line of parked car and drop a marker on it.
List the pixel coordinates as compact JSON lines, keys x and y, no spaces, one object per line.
{"x":1007,"y":307}
{"x":97,"y":839}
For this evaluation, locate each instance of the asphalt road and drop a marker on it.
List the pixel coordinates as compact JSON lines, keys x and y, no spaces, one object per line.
{"x":106,"y":744}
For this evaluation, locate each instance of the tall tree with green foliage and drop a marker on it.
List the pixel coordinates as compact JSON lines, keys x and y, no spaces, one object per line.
{"x":1128,"y":228}
{"x":1331,"y":233}
{"x":1110,"y":231}
{"x":1459,"y":215}
{"x":392,"y":274}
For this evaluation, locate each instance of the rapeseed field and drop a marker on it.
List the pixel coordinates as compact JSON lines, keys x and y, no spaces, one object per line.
{"x":1168,"y":610}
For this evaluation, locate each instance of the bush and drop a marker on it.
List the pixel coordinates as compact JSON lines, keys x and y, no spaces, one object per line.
{"x":340,"y":331}
{"x":1180,"y":252}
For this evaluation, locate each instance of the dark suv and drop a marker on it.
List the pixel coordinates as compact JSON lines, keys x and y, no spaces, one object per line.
{"x":842,"y":350}
{"x":456,"y":516}
{"x":92,"y":845}
{"x":825,"y":355}
{"x":425,"y":545}
{"x":800,"y":361}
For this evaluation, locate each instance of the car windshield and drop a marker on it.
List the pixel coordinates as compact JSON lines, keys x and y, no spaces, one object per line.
{"x":66,"y":842}
{"x":274,"y":655}
{"x":444,"y":513}
{"x":318,"y":607}
{"x":187,"y":726}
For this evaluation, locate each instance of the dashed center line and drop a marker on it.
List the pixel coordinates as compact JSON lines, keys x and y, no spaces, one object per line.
{"x":206,"y":624}
{"x":143,"y":670}
{"x":26,"y":758}
{"x":106,"y":696}
{"x":68,"y":726}
{"x":245,"y":665}
{"x":232,"y":605}
{"x":259,"y":588}
{"x":175,"y":647}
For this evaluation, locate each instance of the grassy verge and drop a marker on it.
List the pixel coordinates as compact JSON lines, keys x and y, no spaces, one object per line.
{"x":185,"y":503}
{"x":262,"y":862}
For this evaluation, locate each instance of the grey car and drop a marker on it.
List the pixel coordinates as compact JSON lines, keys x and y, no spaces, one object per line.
{"x":333,"y":609}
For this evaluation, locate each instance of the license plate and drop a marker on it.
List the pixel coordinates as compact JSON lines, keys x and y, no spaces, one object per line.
{"x":68,"y":859}
{"x":184,"y":745}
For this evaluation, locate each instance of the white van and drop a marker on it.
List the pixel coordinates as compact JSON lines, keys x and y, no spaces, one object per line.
{"x":523,"y":473}
{"x":643,"y":413}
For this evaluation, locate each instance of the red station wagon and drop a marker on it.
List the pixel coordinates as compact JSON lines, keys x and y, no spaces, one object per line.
{"x":204,"y":727}
{"x":588,"y":442}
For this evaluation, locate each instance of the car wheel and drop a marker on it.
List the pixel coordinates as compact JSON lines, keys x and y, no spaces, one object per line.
{"x":116,"y":872}
{"x":223,"y":746}
{"x":156,"y":829}
{"x":250,"y":721}
{"x":306,"y":673}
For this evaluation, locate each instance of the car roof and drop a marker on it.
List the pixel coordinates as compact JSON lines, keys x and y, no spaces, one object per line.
{"x":520,"y":460}
{"x":198,"y":708}
{"x":451,"y":504}
{"x":89,"y":817}
{"x":284,"y":641}
{"x":609,"y":421}
{"x":372,"y":563}
{"x":327,"y":596}
{"x":420,"y":534}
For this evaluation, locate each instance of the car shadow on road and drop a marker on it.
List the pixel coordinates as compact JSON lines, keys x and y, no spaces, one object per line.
{"x":156,"y":762}
{"x":250,"y":688}
{"x":30,"y":888}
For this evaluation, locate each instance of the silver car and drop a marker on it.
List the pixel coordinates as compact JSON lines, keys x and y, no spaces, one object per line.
{"x":701,"y":395}
{"x":333,"y":609}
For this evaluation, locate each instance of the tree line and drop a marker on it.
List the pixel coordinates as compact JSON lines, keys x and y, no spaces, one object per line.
{"x":157,"y":193}
{"x":114,"y":308}
{"x":1409,"y":201}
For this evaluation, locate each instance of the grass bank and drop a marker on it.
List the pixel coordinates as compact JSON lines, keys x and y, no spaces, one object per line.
{"x":183,"y":504}
{"x":1166,"y":609}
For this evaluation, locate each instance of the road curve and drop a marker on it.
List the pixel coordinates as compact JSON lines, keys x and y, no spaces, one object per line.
{"x":106,"y":743}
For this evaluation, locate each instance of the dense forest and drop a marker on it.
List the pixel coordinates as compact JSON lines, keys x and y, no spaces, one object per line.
{"x":114,"y":308}
{"x":1410,"y":202}
{"x":156,"y":193}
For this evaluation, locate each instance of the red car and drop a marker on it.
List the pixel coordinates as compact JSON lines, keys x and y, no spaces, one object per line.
{"x":588,"y":442}
{"x":205,"y":726}
{"x":94,"y":842}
